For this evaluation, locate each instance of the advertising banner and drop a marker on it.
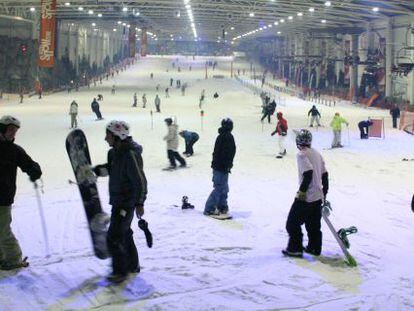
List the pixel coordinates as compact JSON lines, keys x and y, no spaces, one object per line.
{"x":47,"y":33}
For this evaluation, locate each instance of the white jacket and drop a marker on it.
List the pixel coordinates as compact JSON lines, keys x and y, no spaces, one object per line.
{"x":172,"y":137}
{"x":73,"y":108}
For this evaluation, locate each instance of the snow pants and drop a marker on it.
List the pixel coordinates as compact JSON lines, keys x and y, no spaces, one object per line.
{"x":363,"y":131}
{"x":10,"y":251}
{"x":73,"y":120}
{"x":336,"y":139}
{"x":313,"y":119}
{"x":120,"y":241}
{"x":189,"y":145}
{"x":282,"y":148}
{"x":308,"y":213}
{"x":218,"y":197}
{"x":394,"y":122}
{"x":174,"y":155}
{"x":98,"y":114}
{"x":266,"y":114}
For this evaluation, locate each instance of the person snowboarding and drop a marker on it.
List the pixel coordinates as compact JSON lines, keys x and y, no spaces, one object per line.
{"x":190,"y":139}
{"x":315,"y":116}
{"x":144,"y":100}
{"x":157,"y":102}
{"x":96,"y":110}
{"x":281,"y":129}
{"x":127,"y":193}
{"x":395,"y":114}
{"x":306,"y":208}
{"x":11,"y":157}
{"x":172,"y":145}
{"x":223,"y":155}
{"x":363,"y":128}
{"x":135,"y":100}
{"x":73,"y":112}
{"x":336,"y":125}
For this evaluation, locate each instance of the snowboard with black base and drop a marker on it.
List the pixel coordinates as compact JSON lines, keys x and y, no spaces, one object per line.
{"x":77,"y":149}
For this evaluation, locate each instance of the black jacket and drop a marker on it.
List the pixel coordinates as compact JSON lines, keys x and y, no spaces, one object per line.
{"x":11,"y":157}
{"x":224,"y":151}
{"x":395,"y":112}
{"x":314,"y":112}
{"x":95,"y":105}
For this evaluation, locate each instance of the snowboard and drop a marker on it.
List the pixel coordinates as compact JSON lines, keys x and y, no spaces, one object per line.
{"x":171,"y":169}
{"x":78,"y":152}
{"x":221,"y":216}
{"x":340,"y":236}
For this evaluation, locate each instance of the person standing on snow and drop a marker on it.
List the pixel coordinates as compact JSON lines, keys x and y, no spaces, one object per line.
{"x":135,"y":100}
{"x":190,"y":139}
{"x":363,"y":128}
{"x":315,"y":116}
{"x":11,"y":157}
{"x":306,"y":208}
{"x":223,"y":155}
{"x":73,"y":111}
{"x":157,"y":102}
{"x":172,"y":144}
{"x":395,"y":114}
{"x":336,"y":125}
{"x":95,"y":109}
{"x":127,"y":192}
{"x":281,"y":129}
{"x":144,"y":100}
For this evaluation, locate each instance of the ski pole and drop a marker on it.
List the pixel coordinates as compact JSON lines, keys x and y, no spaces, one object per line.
{"x":349,"y":140}
{"x":42,"y":218}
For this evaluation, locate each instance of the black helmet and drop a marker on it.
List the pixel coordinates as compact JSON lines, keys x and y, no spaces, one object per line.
{"x":169,"y":121}
{"x":227,"y":124}
{"x":304,"y":138}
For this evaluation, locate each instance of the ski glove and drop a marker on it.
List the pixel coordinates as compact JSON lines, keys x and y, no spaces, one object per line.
{"x":139,"y":211}
{"x":100,"y":170}
{"x":301,"y":195}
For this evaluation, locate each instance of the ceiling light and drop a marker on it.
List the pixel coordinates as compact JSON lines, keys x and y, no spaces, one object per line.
{"x":270,"y":25}
{"x":323,"y":21}
{"x":137,"y":14}
{"x":99,"y":15}
{"x":32,"y":9}
{"x":328,"y":3}
{"x":96,"y":29}
{"x":67,"y":3}
{"x":114,"y":29}
{"x":251,"y":14}
{"x":311,"y":9}
{"x":300,"y":14}
{"x":93,"y":24}
{"x":80,"y":8}
{"x":276,"y":23}
{"x":279,"y":32}
{"x":90,"y":12}
{"x":232,"y":28}
{"x":124,"y":9}
{"x":119,"y":22}
{"x":123,"y":24}
{"x":375,"y":9}
{"x":282,"y":20}
{"x":290,"y":17}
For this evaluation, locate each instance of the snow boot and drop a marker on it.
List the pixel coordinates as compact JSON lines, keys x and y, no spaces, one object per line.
{"x":14,"y":265}
{"x":288,"y":253}
{"x":117,"y":278}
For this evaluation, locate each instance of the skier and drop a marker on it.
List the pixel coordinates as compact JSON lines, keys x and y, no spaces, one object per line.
{"x":73,"y":111}
{"x":172,"y":145}
{"x":190,"y":139}
{"x":306,"y":208}
{"x":223,"y":155}
{"x":395,"y":113}
{"x":336,"y":125}
{"x":363,"y":128}
{"x":167,"y":94}
{"x":315,"y":116}
{"x":11,"y":157}
{"x":127,"y":192}
{"x":144,"y":100}
{"x":157,"y":102}
{"x":281,"y":129}
{"x":183,"y":89}
{"x":135,"y":100}
{"x":113,"y":90}
{"x":95,"y":109}
{"x":171,"y":81}
{"x":202,"y":98}
{"x":268,"y":109}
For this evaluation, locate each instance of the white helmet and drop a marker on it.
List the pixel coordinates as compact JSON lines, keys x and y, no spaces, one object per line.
{"x":118,"y":128}
{"x":9,"y":120}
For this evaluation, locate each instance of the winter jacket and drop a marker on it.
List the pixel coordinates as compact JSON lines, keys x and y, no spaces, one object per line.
{"x":224,"y":151}
{"x":271,"y":107}
{"x":189,"y":136}
{"x":336,"y":123}
{"x":281,"y":127}
{"x":314,"y":112}
{"x":127,"y":181}
{"x":11,"y":157}
{"x":172,"y":137}
{"x":157,"y":101}
{"x":365,"y":123}
{"x":395,"y":112}
{"x":73,"y":108}
{"x":95,"y":106}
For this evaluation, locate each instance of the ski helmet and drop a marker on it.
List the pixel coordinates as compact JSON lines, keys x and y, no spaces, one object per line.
{"x":227,"y":124}
{"x":118,"y":128}
{"x":304,"y":138}
{"x":5,"y":121}
{"x":169,"y":121}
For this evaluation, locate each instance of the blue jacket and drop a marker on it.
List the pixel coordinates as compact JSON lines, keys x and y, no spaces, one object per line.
{"x":189,"y":136}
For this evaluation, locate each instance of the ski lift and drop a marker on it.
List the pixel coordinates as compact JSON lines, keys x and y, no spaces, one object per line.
{"x":405,"y":62}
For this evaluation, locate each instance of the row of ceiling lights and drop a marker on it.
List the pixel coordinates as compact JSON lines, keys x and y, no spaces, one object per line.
{"x":191,"y":17}
{"x":290,"y":18}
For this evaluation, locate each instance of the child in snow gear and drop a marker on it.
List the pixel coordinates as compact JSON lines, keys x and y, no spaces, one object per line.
{"x":281,"y":129}
{"x":127,"y":192}
{"x":190,"y":139}
{"x":95,"y":109}
{"x":223,"y":155}
{"x":306,"y":208}
{"x":172,"y":144}
{"x":315,"y":116}
{"x":157,"y":102}
{"x":73,"y":111}
{"x":11,"y":157}
{"x":363,"y":128}
{"x":395,"y":114}
{"x":336,"y":125}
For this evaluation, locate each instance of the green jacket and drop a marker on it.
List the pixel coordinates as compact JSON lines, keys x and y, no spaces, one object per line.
{"x":336,"y":123}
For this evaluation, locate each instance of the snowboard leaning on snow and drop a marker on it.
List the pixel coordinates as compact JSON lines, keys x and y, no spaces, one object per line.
{"x":77,"y":148}
{"x":340,"y":235}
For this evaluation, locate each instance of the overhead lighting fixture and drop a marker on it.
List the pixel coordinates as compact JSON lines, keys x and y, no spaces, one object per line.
{"x":93,"y":24}
{"x":124,"y":9}
{"x":90,"y":12}
{"x":251,"y":14}
{"x":282,"y":20}
{"x":137,"y":13}
{"x":290,"y":17}
{"x":375,"y":9}
{"x":96,"y":29}
{"x":311,"y":9}
{"x":232,"y":28}
{"x":32,"y":9}
{"x":114,"y":29}
{"x":300,"y":14}
{"x":328,"y":3}
{"x":99,"y":15}
{"x":276,"y":23}
{"x":119,"y":22}
{"x":123,"y":24}
{"x":67,"y":3}
{"x":80,"y":8}
{"x":279,"y":32}
{"x":270,"y":25}
{"x":323,"y":21}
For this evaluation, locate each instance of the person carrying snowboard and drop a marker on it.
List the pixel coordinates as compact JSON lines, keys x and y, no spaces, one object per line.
{"x":223,"y":155}
{"x":73,"y":112}
{"x":336,"y":125}
{"x":306,"y":208}
{"x":315,"y":116}
{"x":172,"y":144}
{"x":281,"y":129}
{"x":95,"y":109}
{"x":127,"y":193}
{"x":190,"y":139}
{"x":11,"y":157}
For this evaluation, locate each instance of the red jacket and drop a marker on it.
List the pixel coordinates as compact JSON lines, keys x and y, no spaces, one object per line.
{"x":281,"y":126}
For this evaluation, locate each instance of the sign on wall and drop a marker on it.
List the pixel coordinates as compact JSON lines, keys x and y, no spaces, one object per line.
{"x":47,"y":33}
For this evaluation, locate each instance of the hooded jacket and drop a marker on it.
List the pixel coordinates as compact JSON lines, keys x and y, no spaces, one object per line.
{"x":224,"y":151}
{"x":172,"y":137}
{"x":336,"y":123}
